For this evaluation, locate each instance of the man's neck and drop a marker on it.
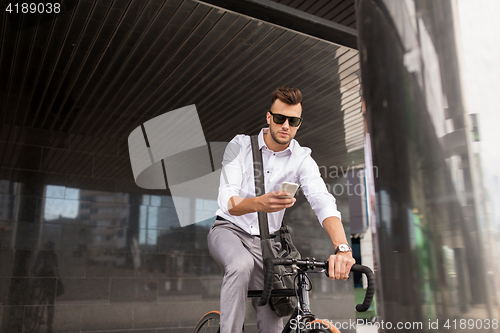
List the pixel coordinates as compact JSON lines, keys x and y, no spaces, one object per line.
{"x":271,"y":144}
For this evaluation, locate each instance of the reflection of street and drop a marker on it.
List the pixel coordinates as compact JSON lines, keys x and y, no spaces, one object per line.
{"x":43,"y":290}
{"x":41,"y":314}
{"x":127,"y":316}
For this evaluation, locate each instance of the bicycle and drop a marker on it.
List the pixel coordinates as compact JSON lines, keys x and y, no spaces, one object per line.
{"x":302,"y":319}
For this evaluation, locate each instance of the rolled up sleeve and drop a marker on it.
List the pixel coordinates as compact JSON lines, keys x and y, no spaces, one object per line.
{"x":322,"y":202}
{"x":231,"y":175}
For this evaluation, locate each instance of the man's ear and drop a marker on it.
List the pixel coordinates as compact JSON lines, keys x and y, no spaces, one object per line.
{"x":268,"y":118}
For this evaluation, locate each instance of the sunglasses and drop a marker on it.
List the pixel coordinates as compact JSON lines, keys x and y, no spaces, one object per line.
{"x":280,"y":119}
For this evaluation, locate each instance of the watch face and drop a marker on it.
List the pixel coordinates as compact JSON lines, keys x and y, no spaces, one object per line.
{"x":344,"y":248}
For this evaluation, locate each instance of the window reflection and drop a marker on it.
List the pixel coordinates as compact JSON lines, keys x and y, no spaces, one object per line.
{"x":56,"y":208}
{"x":148,"y":225}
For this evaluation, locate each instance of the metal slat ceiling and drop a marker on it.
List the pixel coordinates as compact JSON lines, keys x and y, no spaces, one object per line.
{"x":338,"y":11}
{"x":74,"y":86}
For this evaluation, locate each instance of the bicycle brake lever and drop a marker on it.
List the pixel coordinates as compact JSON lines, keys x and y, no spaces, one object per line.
{"x":326,"y":268}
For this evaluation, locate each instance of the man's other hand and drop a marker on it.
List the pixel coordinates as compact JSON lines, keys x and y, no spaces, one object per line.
{"x":339,"y":265}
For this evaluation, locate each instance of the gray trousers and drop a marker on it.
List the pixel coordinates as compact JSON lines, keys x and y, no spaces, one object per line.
{"x":240,"y":255}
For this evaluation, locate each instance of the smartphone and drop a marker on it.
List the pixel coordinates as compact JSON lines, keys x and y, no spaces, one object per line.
{"x":289,"y":187}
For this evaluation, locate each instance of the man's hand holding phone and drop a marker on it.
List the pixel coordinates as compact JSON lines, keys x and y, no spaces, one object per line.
{"x":270,"y":202}
{"x":275,"y":201}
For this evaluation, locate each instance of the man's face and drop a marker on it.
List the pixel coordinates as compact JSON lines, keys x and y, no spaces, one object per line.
{"x":284,"y":133}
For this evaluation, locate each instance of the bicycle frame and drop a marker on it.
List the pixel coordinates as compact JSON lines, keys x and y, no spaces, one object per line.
{"x":302,"y":306}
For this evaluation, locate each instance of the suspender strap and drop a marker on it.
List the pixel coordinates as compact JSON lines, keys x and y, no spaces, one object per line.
{"x":258,"y":172}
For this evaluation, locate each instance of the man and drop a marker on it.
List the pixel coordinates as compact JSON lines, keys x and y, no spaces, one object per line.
{"x":233,"y":240}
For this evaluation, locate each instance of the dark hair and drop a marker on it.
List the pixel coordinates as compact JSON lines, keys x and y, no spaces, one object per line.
{"x":288,"y":95}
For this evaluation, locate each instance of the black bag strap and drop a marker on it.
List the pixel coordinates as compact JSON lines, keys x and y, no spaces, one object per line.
{"x":258,"y":173}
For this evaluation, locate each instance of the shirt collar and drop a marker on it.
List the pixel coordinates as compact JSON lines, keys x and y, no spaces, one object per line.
{"x":262,"y":143}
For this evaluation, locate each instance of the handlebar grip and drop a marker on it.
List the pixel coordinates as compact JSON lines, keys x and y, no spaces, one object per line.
{"x":370,"y":290}
{"x":268,"y":281}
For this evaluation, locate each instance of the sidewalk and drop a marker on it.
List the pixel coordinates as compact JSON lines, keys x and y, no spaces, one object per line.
{"x":366,"y":329}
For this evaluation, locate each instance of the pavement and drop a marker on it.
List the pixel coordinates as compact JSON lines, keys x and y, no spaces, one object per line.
{"x":366,"y":329}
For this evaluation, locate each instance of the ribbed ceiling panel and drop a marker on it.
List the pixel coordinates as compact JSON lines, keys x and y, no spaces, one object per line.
{"x":83,"y":80}
{"x":338,"y":11}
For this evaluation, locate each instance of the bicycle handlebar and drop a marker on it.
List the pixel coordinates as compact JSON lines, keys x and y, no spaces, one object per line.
{"x":311,"y":264}
{"x":370,"y":290}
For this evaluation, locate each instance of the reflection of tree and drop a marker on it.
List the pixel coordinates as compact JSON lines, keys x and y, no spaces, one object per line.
{"x":43,"y":289}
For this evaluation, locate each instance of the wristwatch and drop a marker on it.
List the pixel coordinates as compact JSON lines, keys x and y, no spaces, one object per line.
{"x":343,"y":248}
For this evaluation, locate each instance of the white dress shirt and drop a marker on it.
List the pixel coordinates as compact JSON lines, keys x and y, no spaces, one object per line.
{"x":293,"y":165}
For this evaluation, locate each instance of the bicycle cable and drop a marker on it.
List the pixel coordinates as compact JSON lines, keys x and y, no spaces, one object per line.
{"x":309,"y":281}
